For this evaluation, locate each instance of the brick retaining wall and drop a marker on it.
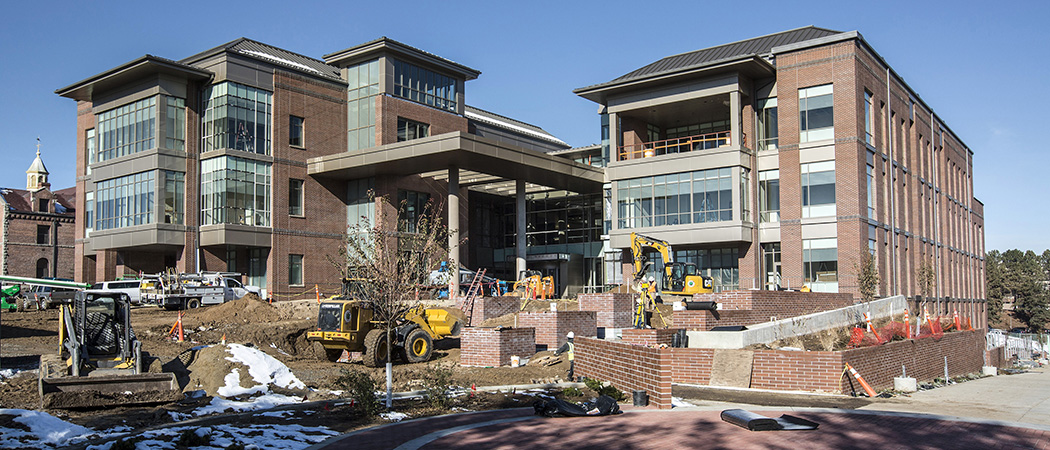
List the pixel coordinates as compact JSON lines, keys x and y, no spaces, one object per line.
{"x":923,"y":358}
{"x":551,"y":327}
{"x":615,"y":310}
{"x":486,"y":308}
{"x":648,"y":336}
{"x":628,"y":367}
{"x":492,"y":347}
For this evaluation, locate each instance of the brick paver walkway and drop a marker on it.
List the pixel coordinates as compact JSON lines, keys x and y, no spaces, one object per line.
{"x":650,"y":429}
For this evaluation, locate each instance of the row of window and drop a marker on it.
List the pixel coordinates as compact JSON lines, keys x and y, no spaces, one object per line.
{"x":682,"y":198}
{"x":818,"y":191}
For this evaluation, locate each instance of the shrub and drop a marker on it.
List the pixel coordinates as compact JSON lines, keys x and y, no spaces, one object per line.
{"x":362,"y":388}
{"x":437,"y":381}
{"x":600,"y":388}
{"x":572,"y":392}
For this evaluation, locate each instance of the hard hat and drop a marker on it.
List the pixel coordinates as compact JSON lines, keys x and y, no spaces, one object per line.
{"x":651,"y":279}
{"x":570,"y":335}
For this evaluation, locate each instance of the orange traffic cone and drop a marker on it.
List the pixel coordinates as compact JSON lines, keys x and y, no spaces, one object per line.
{"x":317,"y":291}
{"x":907,"y":324}
{"x":864,"y":384}
{"x":177,"y":326}
{"x":224,"y":339}
{"x":955,"y":317}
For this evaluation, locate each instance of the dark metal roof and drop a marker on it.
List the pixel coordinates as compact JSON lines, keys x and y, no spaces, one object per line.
{"x":385,"y":43}
{"x":117,"y":76}
{"x":515,"y":126}
{"x":18,"y":200}
{"x":758,"y":46}
{"x":273,"y":55}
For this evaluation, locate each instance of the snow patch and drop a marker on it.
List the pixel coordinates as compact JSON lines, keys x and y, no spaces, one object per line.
{"x":267,"y":401}
{"x":394,"y":416}
{"x":43,"y":429}
{"x":284,"y":437}
{"x":677,"y":402}
{"x":263,"y":368}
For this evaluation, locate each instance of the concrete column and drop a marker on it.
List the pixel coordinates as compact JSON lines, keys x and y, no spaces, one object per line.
{"x":614,"y":137}
{"x":520,"y":228}
{"x":735,"y":125}
{"x":453,"y":230}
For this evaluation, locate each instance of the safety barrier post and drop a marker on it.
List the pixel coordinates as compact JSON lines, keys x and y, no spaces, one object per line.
{"x":864,"y":384}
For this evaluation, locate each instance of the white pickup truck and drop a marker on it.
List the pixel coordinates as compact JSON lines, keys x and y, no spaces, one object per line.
{"x":193,"y":290}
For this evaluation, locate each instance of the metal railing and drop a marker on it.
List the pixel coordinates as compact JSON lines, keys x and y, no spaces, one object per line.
{"x":1019,"y":345}
{"x":677,"y":145}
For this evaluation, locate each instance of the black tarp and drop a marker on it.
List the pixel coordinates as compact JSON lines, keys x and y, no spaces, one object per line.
{"x":601,"y":406}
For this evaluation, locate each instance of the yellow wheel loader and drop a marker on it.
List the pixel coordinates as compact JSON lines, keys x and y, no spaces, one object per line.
{"x":350,"y":325}
{"x":100,"y":361}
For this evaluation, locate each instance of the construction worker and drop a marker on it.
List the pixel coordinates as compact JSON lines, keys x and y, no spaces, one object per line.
{"x":569,"y":349}
{"x":645,"y":300}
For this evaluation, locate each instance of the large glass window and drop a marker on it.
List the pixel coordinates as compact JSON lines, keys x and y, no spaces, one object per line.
{"x":237,"y":117}
{"x":89,"y":212}
{"x":89,"y":149}
{"x":124,"y":201}
{"x":820,"y":264}
{"x":555,"y":218}
{"x":871,"y":191}
{"x":174,"y":191}
{"x":768,"y":134}
{"x":295,"y":197}
{"x":175,"y":123}
{"x":818,"y":189}
{"x":411,"y":205}
{"x":424,"y":86}
{"x":721,"y":264}
{"x":816,"y":113}
{"x":295,"y":270}
{"x":360,"y":207}
{"x":691,"y":197}
{"x":771,"y":265}
{"x":868,"y":112}
{"x":363,"y":80}
{"x":769,"y":196}
{"x":235,"y":190}
{"x":296,"y":132}
{"x":410,"y":129}
{"x":127,"y":129}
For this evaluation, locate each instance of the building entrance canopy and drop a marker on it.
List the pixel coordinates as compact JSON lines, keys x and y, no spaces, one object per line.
{"x":484,"y":165}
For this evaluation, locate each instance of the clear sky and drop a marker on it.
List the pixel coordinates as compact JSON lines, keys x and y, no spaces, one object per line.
{"x":982,"y":66}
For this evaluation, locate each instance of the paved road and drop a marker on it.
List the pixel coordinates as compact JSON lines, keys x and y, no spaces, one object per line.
{"x":979,"y":414}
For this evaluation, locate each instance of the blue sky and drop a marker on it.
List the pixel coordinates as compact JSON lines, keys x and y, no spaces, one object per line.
{"x":981,"y":66}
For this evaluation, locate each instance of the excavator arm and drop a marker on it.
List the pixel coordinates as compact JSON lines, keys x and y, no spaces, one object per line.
{"x":640,"y":242}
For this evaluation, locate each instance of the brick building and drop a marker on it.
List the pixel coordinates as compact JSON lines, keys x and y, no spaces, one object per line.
{"x":773,"y":161}
{"x":780,"y":160}
{"x":254,"y":159}
{"x":37,"y":227}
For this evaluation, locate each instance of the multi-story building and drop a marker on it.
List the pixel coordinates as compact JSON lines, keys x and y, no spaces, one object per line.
{"x":772,"y":162}
{"x":36,"y":227}
{"x":779,"y":161}
{"x":254,"y":159}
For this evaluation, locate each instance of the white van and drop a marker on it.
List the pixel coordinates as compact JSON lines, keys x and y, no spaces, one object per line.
{"x":130,"y":287}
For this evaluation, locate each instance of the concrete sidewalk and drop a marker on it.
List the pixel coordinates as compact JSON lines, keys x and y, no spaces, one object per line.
{"x":1021,"y":398}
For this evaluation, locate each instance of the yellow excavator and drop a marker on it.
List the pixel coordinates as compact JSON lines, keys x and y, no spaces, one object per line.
{"x":679,"y":280}
{"x":346,"y":324}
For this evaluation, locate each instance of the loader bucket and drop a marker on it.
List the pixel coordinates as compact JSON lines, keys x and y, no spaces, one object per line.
{"x":108,"y":390}
{"x":444,"y":322}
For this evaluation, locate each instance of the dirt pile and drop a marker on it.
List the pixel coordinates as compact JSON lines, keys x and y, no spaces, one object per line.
{"x":218,"y":370}
{"x":248,"y":309}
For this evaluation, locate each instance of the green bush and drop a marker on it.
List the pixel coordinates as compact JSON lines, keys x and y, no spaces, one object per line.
{"x":362,"y":388}
{"x":572,"y":392}
{"x":437,"y":381}
{"x":600,"y":388}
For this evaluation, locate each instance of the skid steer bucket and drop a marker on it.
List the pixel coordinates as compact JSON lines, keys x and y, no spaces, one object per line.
{"x":108,"y":390}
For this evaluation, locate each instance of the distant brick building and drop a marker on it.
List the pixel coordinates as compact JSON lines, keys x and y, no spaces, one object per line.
{"x":36,"y":227}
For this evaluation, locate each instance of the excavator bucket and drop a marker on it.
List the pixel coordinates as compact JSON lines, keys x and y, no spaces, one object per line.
{"x":111,"y":390}
{"x":444,"y":322}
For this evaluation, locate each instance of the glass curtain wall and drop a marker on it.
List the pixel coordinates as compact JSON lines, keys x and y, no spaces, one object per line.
{"x":235,"y":191}
{"x":237,"y":117}
{"x":424,"y":86}
{"x":127,"y":129}
{"x":692,"y":197}
{"x":125,"y":201}
{"x":363,"y":80}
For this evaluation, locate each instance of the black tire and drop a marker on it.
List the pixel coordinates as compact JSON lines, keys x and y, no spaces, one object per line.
{"x":418,"y":346}
{"x":193,"y":303}
{"x":375,"y":348}
{"x":333,"y":354}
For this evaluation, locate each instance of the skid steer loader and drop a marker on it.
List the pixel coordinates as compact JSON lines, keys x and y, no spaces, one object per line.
{"x":349,"y":325}
{"x":99,"y":361}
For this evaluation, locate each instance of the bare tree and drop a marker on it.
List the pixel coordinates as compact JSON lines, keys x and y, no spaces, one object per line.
{"x":867,"y":276}
{"x":387,"y":264}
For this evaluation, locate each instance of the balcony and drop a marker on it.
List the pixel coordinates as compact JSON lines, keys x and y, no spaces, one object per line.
{"x":677,"y":145}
